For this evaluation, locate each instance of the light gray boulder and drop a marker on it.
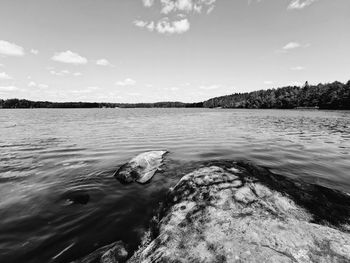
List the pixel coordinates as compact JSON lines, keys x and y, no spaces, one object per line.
{"x":231,"y":213}
{"x":140,"y":168}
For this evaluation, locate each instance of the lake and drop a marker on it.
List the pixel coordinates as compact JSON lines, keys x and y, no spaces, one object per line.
{"x":46,"y":155}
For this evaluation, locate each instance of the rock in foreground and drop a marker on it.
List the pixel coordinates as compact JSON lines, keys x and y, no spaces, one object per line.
{"x":230,"y":213}
{"x":141,"y":168}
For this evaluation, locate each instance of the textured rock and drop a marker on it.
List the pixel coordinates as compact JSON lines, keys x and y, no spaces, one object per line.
{"x":141,"y":168}
{"x":231,"y":213}
{"x":112,"y":253}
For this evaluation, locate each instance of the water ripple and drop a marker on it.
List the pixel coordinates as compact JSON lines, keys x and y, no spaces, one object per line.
{"x":49,"y":157}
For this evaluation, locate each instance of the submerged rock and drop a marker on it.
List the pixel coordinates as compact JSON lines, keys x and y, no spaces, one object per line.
{"x":76,"y":197}
{"x":113,"y":253}
{"x":231,"y":213}
{"x":141,"y":168}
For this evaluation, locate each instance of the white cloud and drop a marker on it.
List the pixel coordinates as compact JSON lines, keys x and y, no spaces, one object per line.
{"x":169,"y":6}
{"x":2,"y":65}
{"x":103,"y":62}
{"x":69,"y":57}
{"x":144,"y":24}
{"x":33,"y":84}
{"x":210,"y":9}
{"x":64,"y":72}
{"x":10,"y":49}
{"x":148,"y":3}
{"x":140,"y":23}
{"x":150,"y":26}
{"x":34,"y":51}
{"x":178,"y":9}
{"x":291,"y":45}
{"x":164,"y":26}
{"x":59,"y":73}
{"x":126,"y":82}
{"x":4,"y":75}
{"x":297,"y":68}
{"x":300,"y":4}
{"x":268,"y":82}
{"x":9,"y":88}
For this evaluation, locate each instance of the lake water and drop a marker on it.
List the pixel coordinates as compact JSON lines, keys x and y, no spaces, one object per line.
{"x":46,"y":155}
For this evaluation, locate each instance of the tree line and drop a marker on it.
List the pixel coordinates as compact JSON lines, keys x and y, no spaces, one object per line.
{"x":24,"y":104}
{"x":334,"y":95}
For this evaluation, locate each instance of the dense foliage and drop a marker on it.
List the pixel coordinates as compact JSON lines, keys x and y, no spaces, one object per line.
{"x":167,"y":104}
{"x":334,"y":95}
{"x":16,"y":103}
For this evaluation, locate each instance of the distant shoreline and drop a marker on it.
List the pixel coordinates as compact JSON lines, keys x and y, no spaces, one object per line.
{"x":332,"y":96}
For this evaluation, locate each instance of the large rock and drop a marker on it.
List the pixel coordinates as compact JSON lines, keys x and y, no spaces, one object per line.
{"x":141,"y":168}
{"x":231,"y":213}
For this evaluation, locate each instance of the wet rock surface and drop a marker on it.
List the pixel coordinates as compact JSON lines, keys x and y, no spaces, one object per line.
{"x":229,"y":212}
{"x":140,"y":168}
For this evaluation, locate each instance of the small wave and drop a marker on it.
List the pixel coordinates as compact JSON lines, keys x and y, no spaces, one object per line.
{"x":11,"y":176}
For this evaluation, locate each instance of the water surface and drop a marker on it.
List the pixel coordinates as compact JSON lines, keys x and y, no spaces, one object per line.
{"x":46,"y":155}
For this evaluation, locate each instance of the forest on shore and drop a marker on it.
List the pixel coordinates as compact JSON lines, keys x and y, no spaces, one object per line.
{"x":24,"y":104}
{"x":334,"y":95}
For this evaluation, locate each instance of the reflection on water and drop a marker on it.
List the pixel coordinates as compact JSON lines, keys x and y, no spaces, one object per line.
{"x":50,"y":157}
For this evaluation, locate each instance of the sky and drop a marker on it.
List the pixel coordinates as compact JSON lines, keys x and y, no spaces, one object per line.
{"x":168,"y":50}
